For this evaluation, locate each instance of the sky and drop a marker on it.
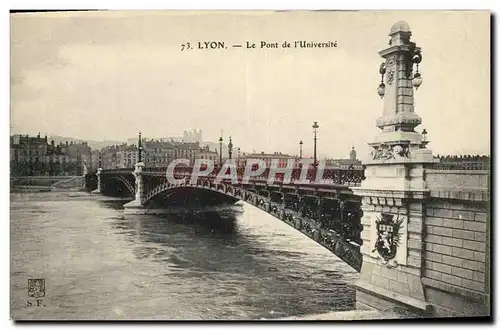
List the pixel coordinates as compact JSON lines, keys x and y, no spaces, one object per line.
{"x":108,"y":75}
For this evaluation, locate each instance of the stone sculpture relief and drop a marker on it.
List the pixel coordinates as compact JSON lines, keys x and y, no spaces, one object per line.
{"x":386,"y":152}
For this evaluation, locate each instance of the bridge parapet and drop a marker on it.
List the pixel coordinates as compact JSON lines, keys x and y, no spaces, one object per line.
{"x":470,"y":185}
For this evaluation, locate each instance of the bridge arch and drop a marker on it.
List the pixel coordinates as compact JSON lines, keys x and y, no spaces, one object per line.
{"x":193,"y":195}
{"x":130,"y":187}
{"x":117,"y":182}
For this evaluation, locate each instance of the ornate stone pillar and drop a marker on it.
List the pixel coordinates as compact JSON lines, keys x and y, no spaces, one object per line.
{"x":139,"y":186}
{"x":136,"y":206}
{"x":84,"y":174}
{"x":99,"y":182}
{"x":394,"y":189}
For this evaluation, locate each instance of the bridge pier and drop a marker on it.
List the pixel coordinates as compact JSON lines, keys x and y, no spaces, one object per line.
{"x":394,"y":192}
{"x":137,"y":205}
{"x":413,"y":256}
{"x":99,"y":183}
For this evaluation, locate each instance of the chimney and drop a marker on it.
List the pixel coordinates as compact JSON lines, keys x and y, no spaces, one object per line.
{"x":52,"y":143}
{"x":66,"y":143}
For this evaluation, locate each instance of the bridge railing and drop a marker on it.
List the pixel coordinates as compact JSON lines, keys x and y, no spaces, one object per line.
{"x":351,"y":177}
{"x":471,"y":185}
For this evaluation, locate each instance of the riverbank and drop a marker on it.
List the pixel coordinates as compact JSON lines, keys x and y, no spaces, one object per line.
{"x":35,"y":189}
{"x":45,"y":182}
{"x":30,"y":188}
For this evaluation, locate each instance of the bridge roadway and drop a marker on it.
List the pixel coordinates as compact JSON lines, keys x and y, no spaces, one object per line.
{"x":326,"y":211}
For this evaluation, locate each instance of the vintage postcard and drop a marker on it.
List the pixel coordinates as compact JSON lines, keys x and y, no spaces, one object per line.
{"x":250,"y":165}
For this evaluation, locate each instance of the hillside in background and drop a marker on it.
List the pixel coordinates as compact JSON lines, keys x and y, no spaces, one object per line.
{"x":95,"y":145}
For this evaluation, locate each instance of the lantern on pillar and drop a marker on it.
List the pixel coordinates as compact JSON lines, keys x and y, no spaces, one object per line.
{"x":381,"y":87}
{"x":417,"y":78}
{"x":425,"y":142}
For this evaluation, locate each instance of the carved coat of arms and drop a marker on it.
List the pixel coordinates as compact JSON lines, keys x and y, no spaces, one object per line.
{"x":388,"y":236}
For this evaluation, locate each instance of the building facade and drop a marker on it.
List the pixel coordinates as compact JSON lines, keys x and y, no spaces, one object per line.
{"x":345,"y":163}
{"x":78,"y":152}
{"x":94,"y":159}
{"x":127,"y":157}
{"x":158,"y":153}
{"x":34,"y":156}
{"x":206,"y":153}
{"x":463,"y":162}
{"x":110,"y":156}
{"x":267,"y":158}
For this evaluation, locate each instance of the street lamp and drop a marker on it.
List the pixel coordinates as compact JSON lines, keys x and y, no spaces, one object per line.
{"x":238,"y":156}
{"x":139,"y":149}
{"x":300,"y":144}
{"x":424,"y":138}
{"x":230,"y":147}
{"x":381,"y":87}
{"x":220,"y":151}
{"x":416,"y":59}
{"x":315,"y":128}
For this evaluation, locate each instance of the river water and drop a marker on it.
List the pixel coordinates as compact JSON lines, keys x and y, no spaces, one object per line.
{"x":100,"y":264}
